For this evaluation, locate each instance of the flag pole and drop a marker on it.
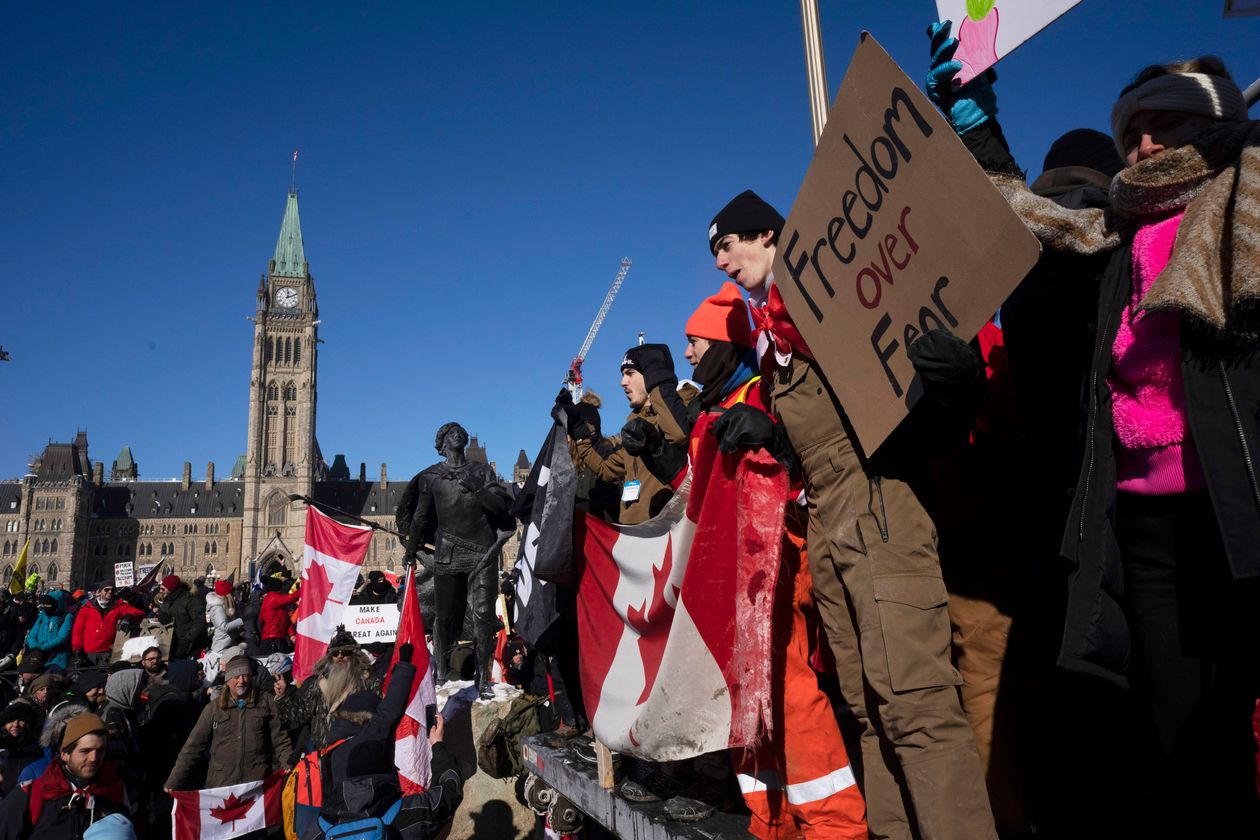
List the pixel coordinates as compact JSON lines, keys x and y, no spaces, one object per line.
{"x":375,"y":526}
{"x":815,"y":66}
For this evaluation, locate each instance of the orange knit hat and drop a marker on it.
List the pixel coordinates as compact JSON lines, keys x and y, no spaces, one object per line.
{"x":722,"y":317}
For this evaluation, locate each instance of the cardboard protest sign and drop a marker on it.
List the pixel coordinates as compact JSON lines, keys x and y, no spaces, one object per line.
{"x":895,"y":231}
{"x":989,"y":29}
{"x":372,"y":622}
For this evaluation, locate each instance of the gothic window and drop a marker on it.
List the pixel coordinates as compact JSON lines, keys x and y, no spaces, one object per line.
{"x":272,"y":391}
{"x":61,"y":504}
{"x":32,"y":569}
{"x":290,"y":435}
{"x":52,"y":572}
{"x":39,"y":503}
{"x":277,"y":509}
{"x":288,"y":351}
{"x":6,"y":548}
{"x":290,"y":391}
{"x":214,"y":547}
{"x":297,"y":351}
{"x":54,"y":547}
{"x":206,"y":550}
{"x":266,"y":351}
{"x":8,"y":574}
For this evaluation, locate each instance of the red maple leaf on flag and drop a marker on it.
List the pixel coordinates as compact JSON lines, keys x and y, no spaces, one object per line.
{"x":316,"y":588}
{"x":232,"y":809}
{"x":652,"y":646}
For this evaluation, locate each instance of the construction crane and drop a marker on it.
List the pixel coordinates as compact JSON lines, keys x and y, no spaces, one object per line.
{"x":573,"y":379}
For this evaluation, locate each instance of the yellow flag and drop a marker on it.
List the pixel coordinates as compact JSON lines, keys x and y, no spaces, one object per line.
{"x":18,"y":580}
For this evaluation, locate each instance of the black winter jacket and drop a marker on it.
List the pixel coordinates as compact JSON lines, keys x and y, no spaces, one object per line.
{"x":188,"y":614}
{"x":1222,"y":385}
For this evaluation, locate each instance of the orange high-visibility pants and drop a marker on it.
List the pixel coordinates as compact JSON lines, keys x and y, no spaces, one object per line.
{"x":798,"y":782}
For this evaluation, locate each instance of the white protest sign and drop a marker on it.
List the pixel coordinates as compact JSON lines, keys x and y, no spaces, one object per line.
{"x":124,"y":574}
{"x":372,"y":622}
{"x":988,"y":30}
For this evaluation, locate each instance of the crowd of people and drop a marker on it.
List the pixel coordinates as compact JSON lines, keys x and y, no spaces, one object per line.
{"x":95,"y":738}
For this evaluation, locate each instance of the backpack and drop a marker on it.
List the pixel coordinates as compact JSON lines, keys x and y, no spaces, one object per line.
{"x":368,"y":828}
{"x":303,"y":792}
{"x":499,"y":747}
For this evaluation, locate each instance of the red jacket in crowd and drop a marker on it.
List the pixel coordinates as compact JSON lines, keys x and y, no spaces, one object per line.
{"x":274,"y":615}
{"x":94,"y":627}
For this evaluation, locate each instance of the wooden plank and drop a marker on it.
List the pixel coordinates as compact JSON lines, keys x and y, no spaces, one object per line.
{"x":604,"y":766}
{"x":548,"y":757}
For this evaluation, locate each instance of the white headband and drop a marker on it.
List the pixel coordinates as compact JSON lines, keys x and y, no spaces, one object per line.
{"x":1188,"y":93}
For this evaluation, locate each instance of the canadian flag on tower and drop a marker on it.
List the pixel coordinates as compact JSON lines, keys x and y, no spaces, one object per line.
{"x":224,"y":812}
{"x":330,"y":566}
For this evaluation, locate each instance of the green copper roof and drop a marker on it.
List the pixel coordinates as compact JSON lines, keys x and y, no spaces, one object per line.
{"x":125,"y":461}
{"x":238,"y":469}
{"x":290,"y":260}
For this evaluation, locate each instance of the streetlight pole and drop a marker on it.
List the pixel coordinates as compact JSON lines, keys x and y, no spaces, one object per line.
{"x":815,"y":66}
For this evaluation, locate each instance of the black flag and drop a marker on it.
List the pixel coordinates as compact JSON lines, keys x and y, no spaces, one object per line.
{"x":545,"y":506}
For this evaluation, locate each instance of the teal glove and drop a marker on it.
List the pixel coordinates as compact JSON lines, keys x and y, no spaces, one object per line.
{"x":967,"y":107}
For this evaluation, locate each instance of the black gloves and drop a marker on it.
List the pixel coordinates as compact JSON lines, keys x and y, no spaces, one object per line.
{"x":743,"y":427}
{"x":639,"y":436}
{"x":577,"y":428}
{"x":657,"y":366}
{"x":645,"y":442}
{"x":405,"y":650}
{"x":945,"y":362}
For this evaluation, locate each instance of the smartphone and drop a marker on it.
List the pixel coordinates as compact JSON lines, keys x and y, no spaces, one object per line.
{"x":430,"y":716}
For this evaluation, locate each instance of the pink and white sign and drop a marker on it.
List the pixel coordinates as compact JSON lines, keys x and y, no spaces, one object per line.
{"x":988,"y":30}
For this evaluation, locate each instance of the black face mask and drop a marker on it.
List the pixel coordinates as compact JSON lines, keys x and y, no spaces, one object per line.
{"x":48,"y":609}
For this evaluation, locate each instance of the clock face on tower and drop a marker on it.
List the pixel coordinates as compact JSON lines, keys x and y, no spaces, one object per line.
{"x":287,"y":297}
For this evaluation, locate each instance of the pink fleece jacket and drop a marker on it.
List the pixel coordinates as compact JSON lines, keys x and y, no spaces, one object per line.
{"x":1155,"y":456}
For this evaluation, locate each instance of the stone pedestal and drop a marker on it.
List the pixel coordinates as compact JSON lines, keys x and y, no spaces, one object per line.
{"x":490,"y":810}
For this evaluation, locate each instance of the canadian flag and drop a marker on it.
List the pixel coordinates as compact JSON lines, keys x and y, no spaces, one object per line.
{"x":412,"y":751}
{"x":220,"y":813}
{"x":675,"y":614}
{"x":330,"y":565}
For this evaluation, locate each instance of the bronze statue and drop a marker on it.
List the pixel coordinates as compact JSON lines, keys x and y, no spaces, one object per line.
{"x":460,"y":508}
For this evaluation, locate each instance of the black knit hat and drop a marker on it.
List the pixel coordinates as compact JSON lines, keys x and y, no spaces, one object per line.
{"x":89,"y":680}
{"x":361,"y":701}
{"x":1084,"y":147}
{"x":31,"y":665}
{"x":342,"y":639}
{"x":746,"y":212}
{"x":642,"y":356}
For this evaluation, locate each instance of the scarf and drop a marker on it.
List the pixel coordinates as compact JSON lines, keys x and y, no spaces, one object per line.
{"x":55,"y":783}
{"x":771,"y":319}
{"x":1214,"y":274}
{"x":718,"y":369}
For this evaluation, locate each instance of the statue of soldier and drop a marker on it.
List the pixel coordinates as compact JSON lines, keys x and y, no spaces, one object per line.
{"x":461,"y":508}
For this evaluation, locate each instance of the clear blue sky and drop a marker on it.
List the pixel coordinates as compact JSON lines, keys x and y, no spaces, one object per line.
{"x":469,"y":176}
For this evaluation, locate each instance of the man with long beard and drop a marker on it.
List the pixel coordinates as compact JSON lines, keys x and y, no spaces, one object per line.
{"x":340,"y":672}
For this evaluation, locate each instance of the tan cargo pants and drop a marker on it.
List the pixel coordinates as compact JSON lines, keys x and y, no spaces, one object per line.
{"x":878,"y":586}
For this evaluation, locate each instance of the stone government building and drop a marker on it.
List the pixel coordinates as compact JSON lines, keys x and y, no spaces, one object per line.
{"x":81,"y":525}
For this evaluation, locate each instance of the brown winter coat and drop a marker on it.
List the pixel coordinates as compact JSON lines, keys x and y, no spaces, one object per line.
{"x":240,"y":744}
{"x":622,"y":467}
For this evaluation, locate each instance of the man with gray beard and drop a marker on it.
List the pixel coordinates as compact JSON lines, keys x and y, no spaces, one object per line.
{"x":340,"y":672}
